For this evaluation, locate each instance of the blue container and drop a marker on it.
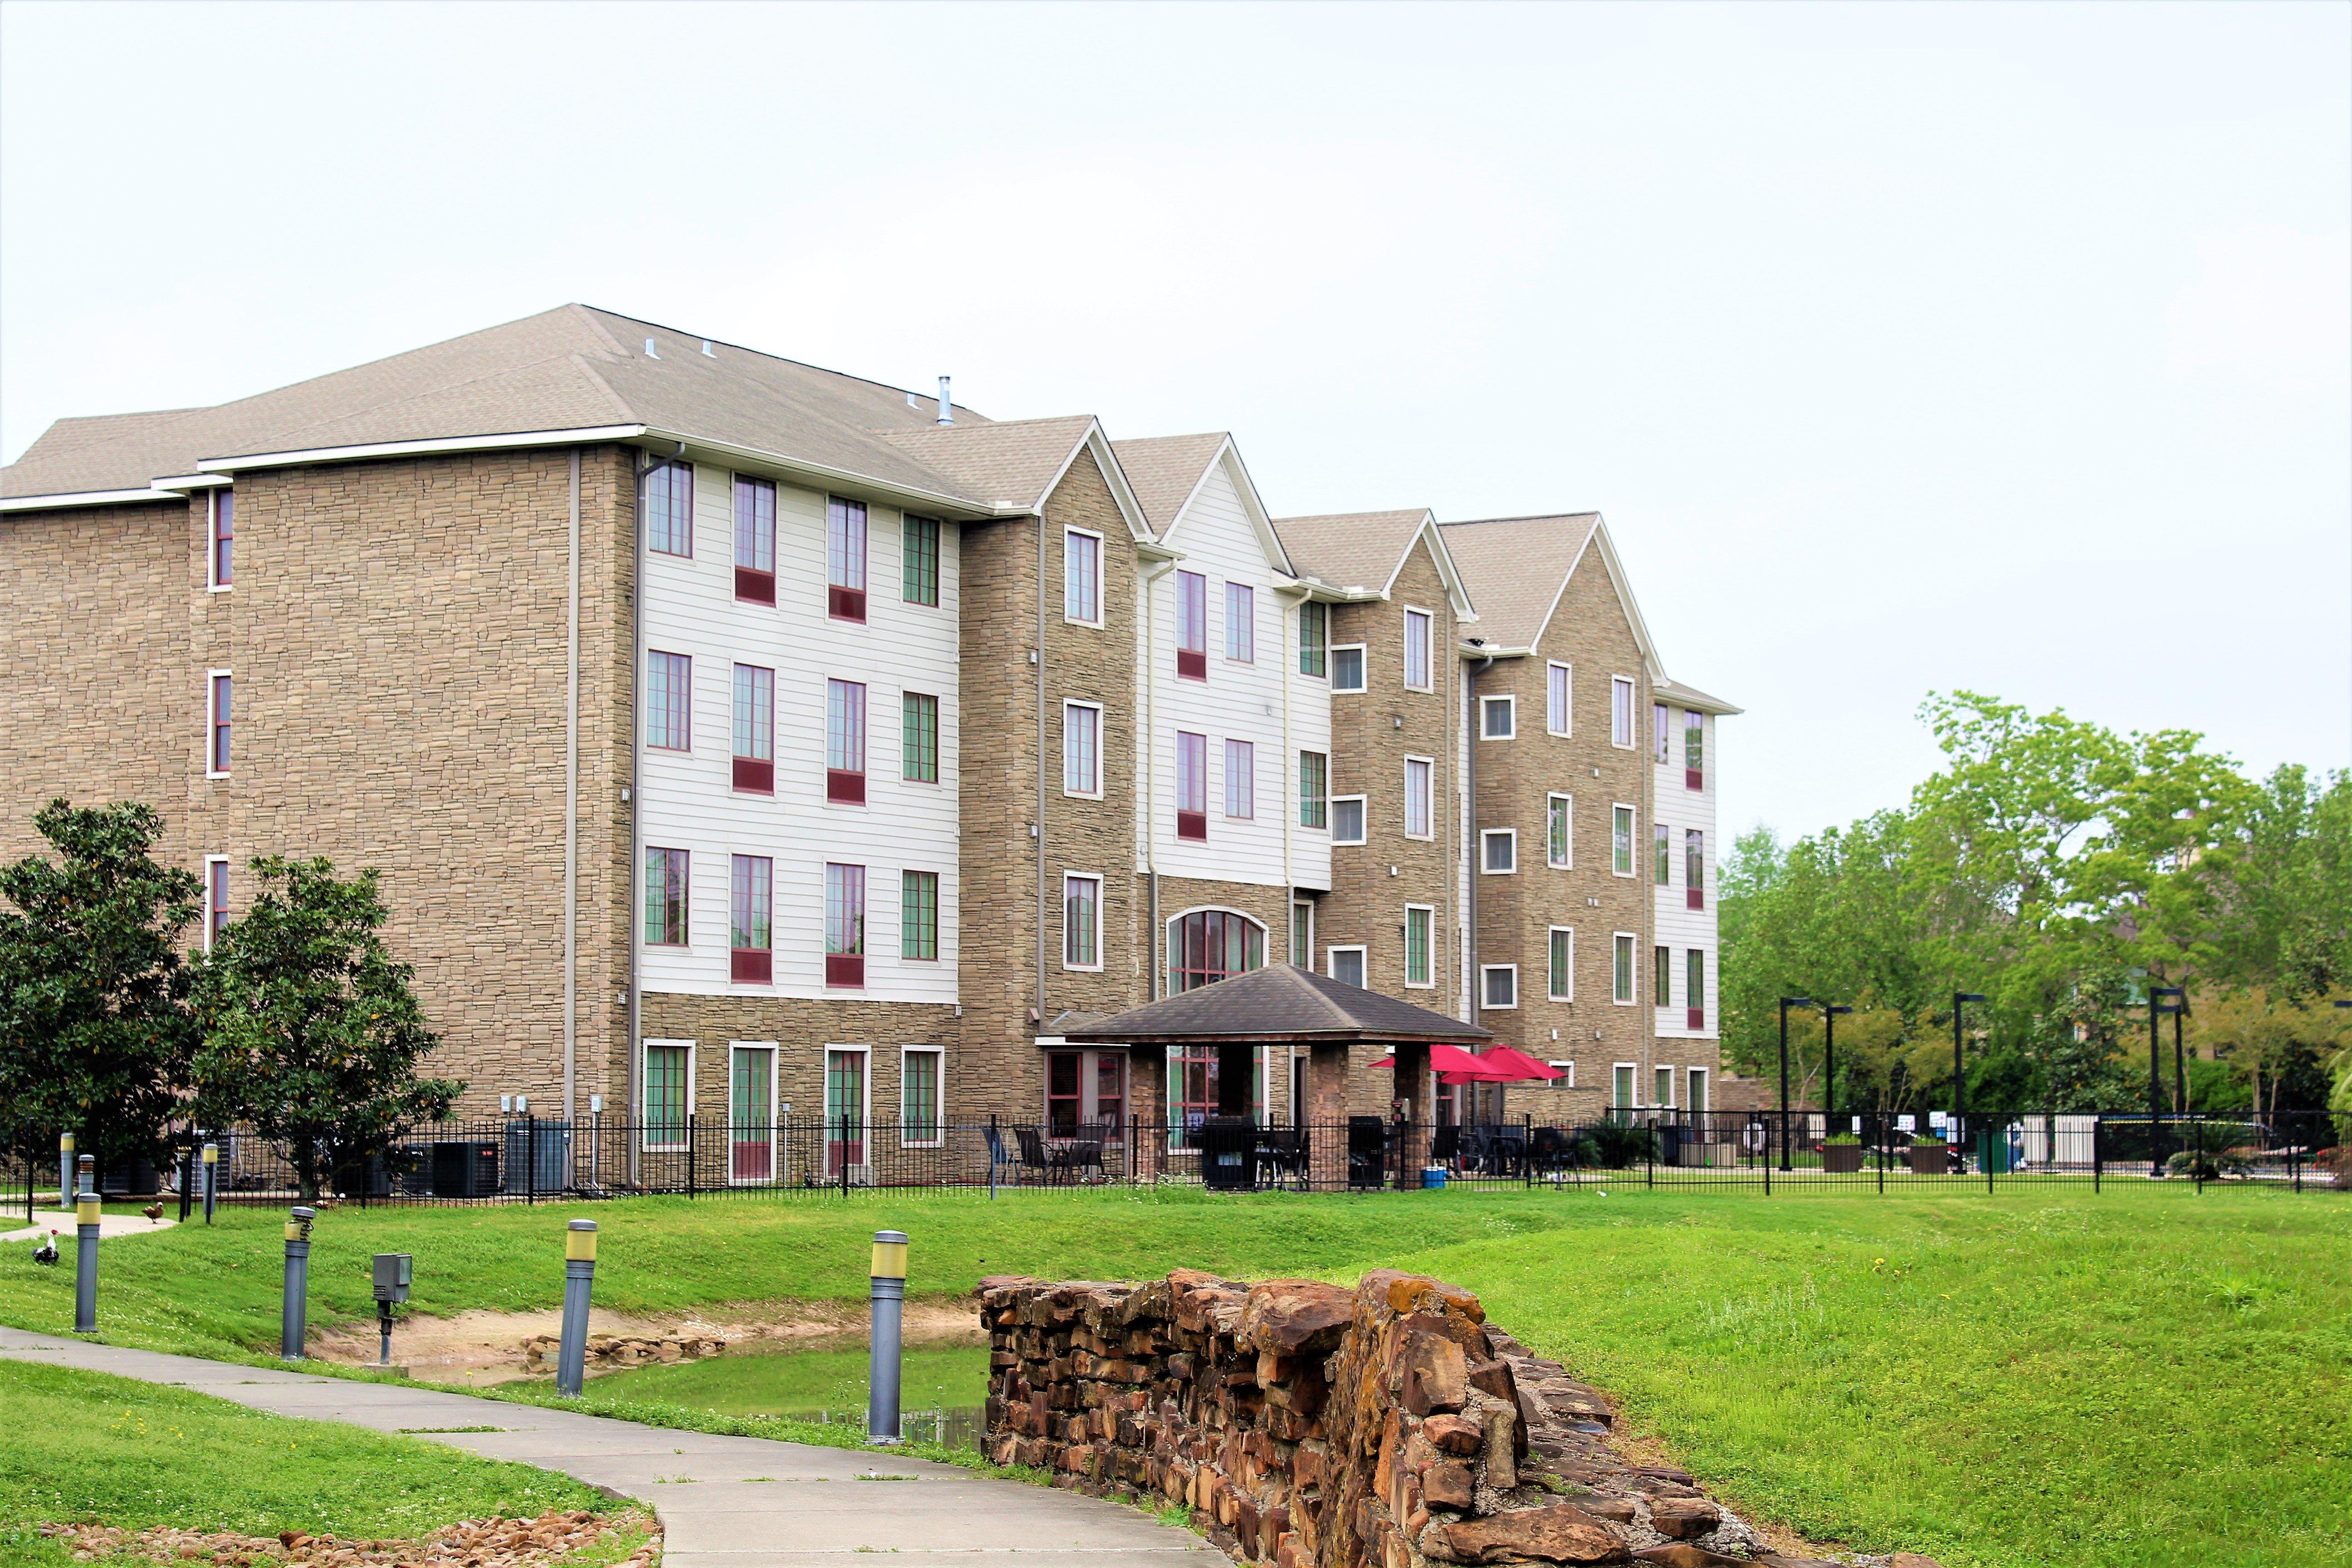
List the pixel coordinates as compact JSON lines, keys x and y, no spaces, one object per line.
{"x":1432,"y":1177}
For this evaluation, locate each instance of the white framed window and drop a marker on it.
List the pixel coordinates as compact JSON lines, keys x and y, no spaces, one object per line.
{"x":1082,"y":576}
{"x":1314,"y":789}
{"x":1559,"y":831}
{"x":1663,"y":1098}
{"x":1314,"y":638}
{"x":217,"y":684}
{"x":215,"y":897}
{"x":1241,"y":779}
{"x":1695,"y":1101}
{"x":1347,"y":819}
{"x":1567,"y":1070}
{"x":1302,"y":932}
{"x":921,"y":1119}
{"x":1345,"y":964}
{"x":1621,"y":839}
{"x":1499,"y":985}
{"x":220,"y":525}
{"x":667,"y":1074}
{"x":1416,"y":650}
{"x":751,"y":1128}
{"x":1082,"y":750}
{"x":670,"y":700}
{"x":1498,"y":718}
{"x":1081,"y":920}
{"x":1560,"y":717}
{"x":1241,"y":623}
{"x":1498,"y":851}
{"x":1620,"y":968}
{"x":1661,"y":718}
{"x":1420,"y":821}
{"x":848,"y":1107}
{"x":1562,"y":979}
{"x":1420,"y":946}
{"x":1348,"y":668}
{"x":1621,"y":1086}
{"x":1621,"y":711}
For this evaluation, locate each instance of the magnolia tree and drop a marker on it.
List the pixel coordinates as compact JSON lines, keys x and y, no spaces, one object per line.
{"x":311,"y":1035}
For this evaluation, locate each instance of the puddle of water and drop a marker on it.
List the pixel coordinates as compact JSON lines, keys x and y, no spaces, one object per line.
{"x":942,"y":1391}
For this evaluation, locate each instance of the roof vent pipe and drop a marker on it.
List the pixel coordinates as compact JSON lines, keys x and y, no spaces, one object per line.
{"x":649,"y":350}
{"x":706,"y":350}
{"x":947,"y":409}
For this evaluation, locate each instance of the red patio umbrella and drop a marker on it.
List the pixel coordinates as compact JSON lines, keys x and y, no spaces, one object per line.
{"x":1454,"y":1065}
{"x":1523,"y":1065}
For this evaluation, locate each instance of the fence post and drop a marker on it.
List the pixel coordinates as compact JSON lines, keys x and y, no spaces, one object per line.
{"x":1768,"y":1163}
{"x":845,"y":1154}
{"x":2294,"y":1171}
{"x":188,"y":1182}
{"x":2098,"y":1125}
{"x":1527,"y":1148}
{"x":530,"y":1158}
{"x":2197,"y":1171}
{"x":691,"y":1151}
{"x":1880,"y":1141}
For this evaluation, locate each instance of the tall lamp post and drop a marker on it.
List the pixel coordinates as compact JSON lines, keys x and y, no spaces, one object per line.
{"x":2174,"y":999}
{"x":1828,"y":1056}
{"x":1960,"y":1082}
{"x":1787,"y":1003}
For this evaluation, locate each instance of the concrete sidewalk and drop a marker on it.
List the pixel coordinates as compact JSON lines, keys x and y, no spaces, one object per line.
{"x":723,"y":1502}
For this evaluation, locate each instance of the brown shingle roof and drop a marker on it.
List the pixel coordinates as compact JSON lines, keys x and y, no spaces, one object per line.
{"x":1004,"y":463}
{"x":1515,"y":568}
{"x":1352,"y":549}
{"x":1164,"y":471}
{"x":1281,"y":1001}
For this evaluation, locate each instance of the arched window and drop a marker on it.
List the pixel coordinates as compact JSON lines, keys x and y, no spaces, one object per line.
{"x":1209,"y":945}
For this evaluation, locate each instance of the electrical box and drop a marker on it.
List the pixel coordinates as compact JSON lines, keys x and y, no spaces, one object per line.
{"x":392,"y":1276}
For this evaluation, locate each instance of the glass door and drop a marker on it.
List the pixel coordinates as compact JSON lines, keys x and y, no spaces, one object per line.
{"x":845,"y":1110}
{"x":751,"y":1115}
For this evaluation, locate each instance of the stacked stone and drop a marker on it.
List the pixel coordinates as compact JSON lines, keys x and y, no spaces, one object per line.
{"x":1310,"y":1425}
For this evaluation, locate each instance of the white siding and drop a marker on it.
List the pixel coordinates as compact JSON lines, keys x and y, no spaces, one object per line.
{"x":689,"y":802}
{"x":1680,"y":927}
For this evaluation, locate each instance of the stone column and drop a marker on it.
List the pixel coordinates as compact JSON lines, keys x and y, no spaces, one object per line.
{"x":1146,"y":1102}
{"x":1326,"y":1116}
{"x":1412,"y":1088}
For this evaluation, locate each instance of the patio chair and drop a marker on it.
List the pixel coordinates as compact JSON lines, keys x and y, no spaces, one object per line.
{"x":1444,"y":1146}
{"x":1506,"y":1151}
{"x":1367,"y":1142}
{"x":1032,"y":1155}
{"x":1548,"y":1151}
{"x":1280,"y":1155}
{"x":1082,"y":1150}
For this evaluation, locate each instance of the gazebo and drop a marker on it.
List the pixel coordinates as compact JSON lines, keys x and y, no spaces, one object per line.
{"x":1283,"y":1004}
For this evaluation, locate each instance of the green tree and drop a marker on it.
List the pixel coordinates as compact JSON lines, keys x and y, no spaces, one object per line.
{"x":312,"y":1034}
{"x":95,"y":1031}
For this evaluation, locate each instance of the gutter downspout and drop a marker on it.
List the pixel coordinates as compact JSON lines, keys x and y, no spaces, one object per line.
{"x":1477,"y":850}
{"x":1150,"y":745}
{"x":1038,"y":1017}
{"x":571,"y":815}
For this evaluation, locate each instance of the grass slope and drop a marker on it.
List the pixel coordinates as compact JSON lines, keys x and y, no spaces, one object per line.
{"x":803,"y":1382}
{"x":2041,"y":1378}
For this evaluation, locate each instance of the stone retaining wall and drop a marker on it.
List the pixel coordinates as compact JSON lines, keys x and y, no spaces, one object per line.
{"x":1386,"y":1426}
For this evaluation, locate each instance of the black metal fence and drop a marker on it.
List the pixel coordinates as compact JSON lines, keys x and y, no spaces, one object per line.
{"x":526,"y":1159}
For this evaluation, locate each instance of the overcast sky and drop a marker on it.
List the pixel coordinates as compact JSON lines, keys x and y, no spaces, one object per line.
{"x":1903,"y":347}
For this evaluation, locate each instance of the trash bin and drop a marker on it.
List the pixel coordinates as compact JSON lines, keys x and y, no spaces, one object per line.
{"x":1225,"y":1162}
{"x":1992,"y":1150}
{"x":1432,"y":1177}
{"x":1670,"y":1145}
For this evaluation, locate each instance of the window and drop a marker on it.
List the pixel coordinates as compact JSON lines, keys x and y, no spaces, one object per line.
{"x":1499,"y":985}
{"x":1620,"y":987}
{"x":1192,"y":785}
{"x":1420,"y":926}
{"x":1499,"y":851}
{"x":223,"y":528}
{"x":1620,"y":840}
{"x":1082,"y":576}
{"x":1663,"y":855}
{"x":1314,"y":638}
{"x":1086,"y":1088}
{"x":218,"y":726}
{"x":215,"y":899}
{"x":1081,"y":749}
{"x":1696,"y":1103}
{"x":1346,"y":964}
{"x":1694,"y":989}
{"x":1567,"y":1079}
{"x":1694,"y":750}
{"x":1621,"y":1089}
{"x":752,"y":1113}
{"x":1621,"y":711}
{"x":1661,"y":976}
{"x":1498,"y":718}
{"x":669,"y":1091}
{"x":666,"y":897}
{"x":844,"y":1109}
{"x":918,"y":741}
{"x":918,"y":1099}
{"x":1066,"y":1082}
{"x":669,"y":510}
{"x":1348,"y":668}
{"x":669,"y":701}
{"x":1558,"y":718}
{"x":1347,"y":819}
{"x":1665,"y":1099}
{"x":749,"y":959}
{"x":1209,"y":945}
{"x":1419,"y":816}
{"x":919,"y":560}
{"x":1241,"y":779}
{"x":1562,"y":987}
{"x":1559,"y":831}
{"x":1314,"y":790}
{"x":918,"y":915}
{"x":755,"y":541}
{"x":755,"y":729}
{"x":1416,"y":649}
{"x":1694,"y":868}
{"x":1241,"y":623}
{"x":1302,"y":933}
{"x":1192,"y":625}
{"x":1081,"y":922}
{"x":844,"y":925}
{"x":845,"y":558}
{"x":1662,"y":732}
{"x":844,"y":743}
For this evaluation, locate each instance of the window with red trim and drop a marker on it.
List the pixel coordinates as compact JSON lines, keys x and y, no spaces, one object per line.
{"x":755,"y":541}
{"x":1192,"y":625}
{"x":845,"y":558}
{"x":218,"y":757}
{"x":755,"y":729}
{"x":750,"y":953}
{"x":223,"y":535}
{"x":844,"y":925}
{"x":216,"y":900}
{"x":1192,"y":785}
{"x":844,"y":743}
{"x":1210,"y":945}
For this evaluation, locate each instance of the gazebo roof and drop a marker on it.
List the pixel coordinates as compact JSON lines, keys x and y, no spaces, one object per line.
{"x":1279,"y":1002}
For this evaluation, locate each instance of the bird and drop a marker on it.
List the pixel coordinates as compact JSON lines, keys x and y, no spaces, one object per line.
{"x":46,"y":1253}
{"x":155,"y":1212}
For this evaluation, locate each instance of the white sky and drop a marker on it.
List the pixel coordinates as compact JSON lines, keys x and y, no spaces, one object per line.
{"x":1905,"y":347}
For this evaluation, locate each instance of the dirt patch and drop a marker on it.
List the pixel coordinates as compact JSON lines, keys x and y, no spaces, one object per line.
{"x":477,"y":1543}
{"x":488,"y":1347}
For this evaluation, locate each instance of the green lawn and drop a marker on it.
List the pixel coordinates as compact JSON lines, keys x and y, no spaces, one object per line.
{"x":80,"y":1445}
{"x":803,"y":1382}
{"x":2139,"y":1378}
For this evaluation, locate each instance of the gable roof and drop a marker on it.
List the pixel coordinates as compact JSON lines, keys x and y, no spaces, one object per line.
{"x":1682,"y":696}
{"x":1280,"y":1002}
{"x":1015,"y":464}
{"x":1348,"y":553}
{"x":1169,"y":471}
{"x":1517,"y":567}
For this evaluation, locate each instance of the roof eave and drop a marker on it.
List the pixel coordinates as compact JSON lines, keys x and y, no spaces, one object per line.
{"x":88,"y":498}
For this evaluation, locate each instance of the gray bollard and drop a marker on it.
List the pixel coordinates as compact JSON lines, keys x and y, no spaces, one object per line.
{"x":889,"y":1274}
{"x":66,"y":1188}
{"x":579,"y":1279}
{"x":86,"y":1248}
{"x":212,"y":1170}
{"x":292,"y":1313}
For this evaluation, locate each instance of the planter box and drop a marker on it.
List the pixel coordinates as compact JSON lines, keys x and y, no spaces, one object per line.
{"x":1930,"y":1159}
{"x":1842,"y":1159}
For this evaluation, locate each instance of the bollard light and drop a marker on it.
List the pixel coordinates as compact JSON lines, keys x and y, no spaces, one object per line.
{"x":66,"y":1188}
{"x":86,"y":1207}
{"x":889,"y":1276}
{"x":212,"y":1170}
{"x":295,"y":1307}
{"x":579,"y":1279}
